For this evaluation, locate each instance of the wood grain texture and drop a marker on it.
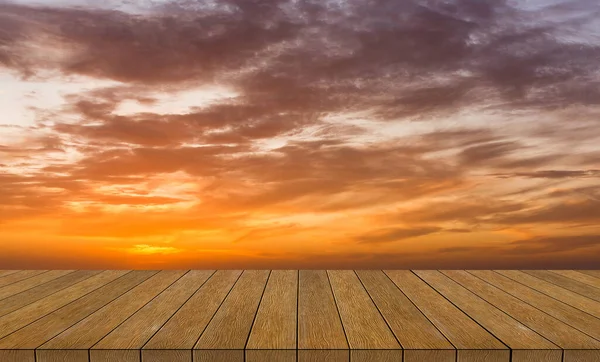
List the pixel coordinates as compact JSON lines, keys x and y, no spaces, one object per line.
{"x":567,"y":283}
{"x":99,"y":355}
{"x":549,"y":327}
{"x":275,"y":323}
{"x":216,"y":355}
{"x":459,"y":328}
{"x":29,"y":296}
{"x":273,"y":355}
{"x":62,"y":356}
{"x":23,"y":316}
{"x":319,"y":324}
{"x":580,"y":277}
{"x":566,"y":296}
{"x":158,"y":355}
{"x":17,"y":277}
{"x":187,"y":324}
{"x":412,"y":329}
{"x":559,"y":310}
{"x":510,"y":331}
{"x":90,"y":330}
{"x":231,"y":324}
{"x":141,"y":326}
{"x":364,"y":326}
{"x":37,"y":333}
{"x":17,"y":355}
{"x":594,"y":273}
{"x":4,"y":273}
{"x":23,"y":285}
{"x":323,"y":355}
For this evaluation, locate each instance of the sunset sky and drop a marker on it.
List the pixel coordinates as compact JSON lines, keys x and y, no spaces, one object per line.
{"x":299,"y":134}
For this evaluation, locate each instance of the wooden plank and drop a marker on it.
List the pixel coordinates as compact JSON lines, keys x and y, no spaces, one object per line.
{"x":4,"y":273}
{"x":24,"y":298}
{"x":40,"y":331}
{"x":549,"y":327}
{"x":566,"y":296}
{"x":559,"y":310}
{"x":472,"y":341}
{"x":417,"y":335}
{"x":31,"y":312}
{"x":364,"y":326}
{"x":275,"y":324}
{"x":319,"y":324}
{"x":526,"y":344}
{"x":87,"y":332}
{"x":580,"y":277}
{"x":17,"y":277}
{"x":23,"y":285}
{"x":594,"y":273}
{"x":141,"y":326}
{"x":230,"y":327}
{"x":183,"y":330}
{"x":567,"y":283}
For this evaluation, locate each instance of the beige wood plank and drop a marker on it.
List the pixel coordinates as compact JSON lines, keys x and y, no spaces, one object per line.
{"x":323,"y":355}
{"x":594,"y":273}
{"x":526,"y":344}
{"x":37,"y":333}
{"x":230,"y":327}
{"x":163,"y":355}
{"x":364,"y":326}
{"x":4,"y":273}
{"x":567,"y":283}
{"x":31,"y":312}
{"x":141,"y":326}
{"x":185,"y":327}
{"x":580,"y":277}
{"x":87,"y":332}
{"x":26,"y":284}
{"x":216,"y":355}
{"x":127,"y":355}
{"x":319,"y":324}
{"x":473,"y":342}
{"x":566,"y":296}
{"x":412,"y":329}
{"x":559,"y":310}
{"x":17,"y":355}
{"x":271,"y":355}
{"x":29,"y":296}
{"x":549,"y":327}
{"x":275,"y":324}
{"x":17,"y":277}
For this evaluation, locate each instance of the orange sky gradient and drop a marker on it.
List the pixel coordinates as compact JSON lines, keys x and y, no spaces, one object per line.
{"x":299,"y":134}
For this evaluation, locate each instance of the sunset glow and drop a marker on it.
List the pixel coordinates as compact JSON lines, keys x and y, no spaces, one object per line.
{"x":299,"y":134}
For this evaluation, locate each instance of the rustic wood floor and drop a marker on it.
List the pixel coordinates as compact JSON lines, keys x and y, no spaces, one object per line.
{"x":306,"y":315}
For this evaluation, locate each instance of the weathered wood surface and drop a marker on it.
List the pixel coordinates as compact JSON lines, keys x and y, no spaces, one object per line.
{"x":306,"y":315}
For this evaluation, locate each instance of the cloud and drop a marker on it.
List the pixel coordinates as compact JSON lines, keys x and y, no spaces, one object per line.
{"x":553,"y":174}
{"x":395,"y":234}
{"x":144,"y":249}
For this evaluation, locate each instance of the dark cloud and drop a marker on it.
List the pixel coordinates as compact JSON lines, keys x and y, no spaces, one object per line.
{"x":398,"y":59}
{"x":389,"y":235}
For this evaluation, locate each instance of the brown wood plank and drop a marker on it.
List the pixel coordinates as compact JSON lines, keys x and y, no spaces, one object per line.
{"x":526,"y":344}
{"x":183,"y":330}
{"x":29,"y":296}
{"x":473,"y":342}
{"x":141,"y":326}
{"x":319,"y":324}
{"x":364,"y":326}
{"x":275,"y":324}
{"x":26,"y":284}
{"x":230,"y":327}
{"x":87,"y":332}
{"x":31,"y":312}
{"x":4,"y":273}
{"x":580,"y":277}
{"x":549,"y":327}
{"x":567,"y":283}
{"x":40,"y":331}
{"x":17,"y":277}
{"x":594,"y":273}
{"x":566,"y":296}
{"x":559,"y":310}
{"x":417,"y":335}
